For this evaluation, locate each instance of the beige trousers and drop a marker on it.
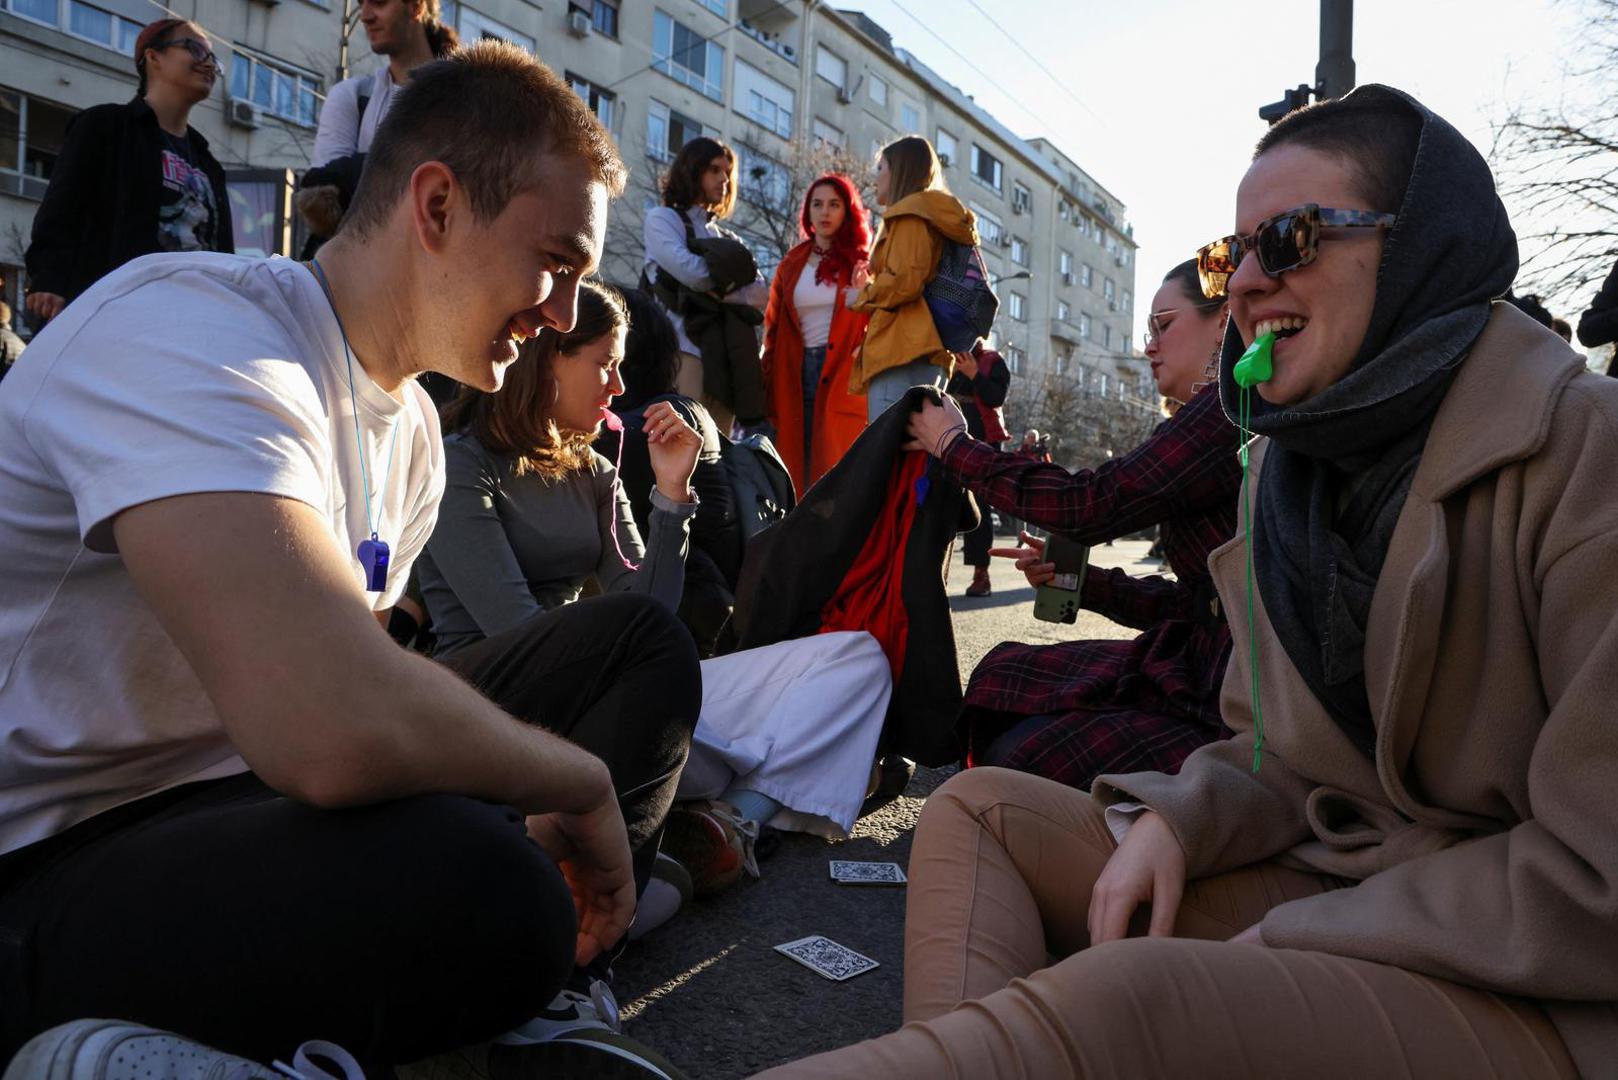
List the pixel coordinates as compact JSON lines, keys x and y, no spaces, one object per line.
{"x":1000,"y":879}
{"x":688,"y":381}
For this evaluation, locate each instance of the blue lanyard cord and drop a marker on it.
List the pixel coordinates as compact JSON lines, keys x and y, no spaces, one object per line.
{"x":353,"y":402}
{"x":1245,"y":417}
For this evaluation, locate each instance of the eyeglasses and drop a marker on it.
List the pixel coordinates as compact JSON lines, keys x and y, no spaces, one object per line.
{"x":200,"y":53}
{"x":1284,"y":242}
{"x":1156,"y":326}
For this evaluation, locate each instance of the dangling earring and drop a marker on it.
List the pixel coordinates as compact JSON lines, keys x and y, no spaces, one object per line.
{"x":1210,"y":370}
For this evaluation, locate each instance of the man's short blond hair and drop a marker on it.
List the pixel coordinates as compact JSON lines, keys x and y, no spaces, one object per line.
{"x":492,"y":114}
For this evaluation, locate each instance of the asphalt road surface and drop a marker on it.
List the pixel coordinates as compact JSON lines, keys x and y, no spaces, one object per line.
{"x":708,"y":989}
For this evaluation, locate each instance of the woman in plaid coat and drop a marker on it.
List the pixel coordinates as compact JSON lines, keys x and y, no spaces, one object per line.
{"x":1073,"y":711}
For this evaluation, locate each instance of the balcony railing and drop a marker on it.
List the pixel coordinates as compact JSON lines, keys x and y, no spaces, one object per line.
{"x":770,"y":41}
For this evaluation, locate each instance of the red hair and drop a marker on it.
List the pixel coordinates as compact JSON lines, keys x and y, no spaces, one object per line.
{"x":852,"y":244}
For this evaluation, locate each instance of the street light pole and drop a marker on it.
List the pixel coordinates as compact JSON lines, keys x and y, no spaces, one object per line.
{"x":1334,"y":74}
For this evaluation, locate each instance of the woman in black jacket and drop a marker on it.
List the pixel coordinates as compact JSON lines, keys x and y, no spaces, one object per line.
{"x":133,"y":179}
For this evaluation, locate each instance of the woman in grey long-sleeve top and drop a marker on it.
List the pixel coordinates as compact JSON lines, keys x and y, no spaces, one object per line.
{"x":787,"y":733}
{"x":509,"y":546}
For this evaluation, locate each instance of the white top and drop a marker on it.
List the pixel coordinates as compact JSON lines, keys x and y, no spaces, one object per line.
{"x":815,"y":304}
{"x":343,"y":131}
{"x":175,"y":374}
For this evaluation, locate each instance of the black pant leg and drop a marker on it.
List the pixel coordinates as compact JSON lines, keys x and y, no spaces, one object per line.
{"x":253,"y":922}
{"x":979,"y":541}
{"x":618,"y":675}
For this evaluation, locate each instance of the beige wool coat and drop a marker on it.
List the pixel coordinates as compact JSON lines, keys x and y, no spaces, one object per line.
{"x":1484,"y":834}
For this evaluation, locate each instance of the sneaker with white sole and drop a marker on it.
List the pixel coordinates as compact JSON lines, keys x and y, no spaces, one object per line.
{"x":572,"y":1010}
{"x":121,"y":1050}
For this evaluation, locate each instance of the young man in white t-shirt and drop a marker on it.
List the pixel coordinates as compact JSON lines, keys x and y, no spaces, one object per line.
{"x":230,"y":805}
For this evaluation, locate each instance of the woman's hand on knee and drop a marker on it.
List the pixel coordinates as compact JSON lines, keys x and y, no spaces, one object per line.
{"x":1148,"y":867}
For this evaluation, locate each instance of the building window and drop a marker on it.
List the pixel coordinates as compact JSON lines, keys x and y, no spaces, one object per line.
{"x":1101,"y":383}
{"x":763,"y":100}
{"x":1106,"y":337}
{"x":1064,"y":210}
{"x":991,"y":232}
{"x":1065,"y":267}
{"x":1062,"y":361}
{"x":31,"y":134}
{"x":1087,"y":276}
{"x":604,"y":103}
{"x":603,"y":15}
{"x":1079,"y":376}
{"x":765,"y":182}
{"x":687,"y":57}
{"x":1064,"y":311}
{"x":718,"y":7}
{"x":1129,"y":301}
{"x":827,"y":135}
{"x":1019,"y":251}
{"x":910,"y":117}
{"x":1022,"y":200}
{"x":1108,"y":289}
{"x":1013,"y":358}
{"x":667,"y":131}
{"x":879,"y":91}
{"x":473,"y":25}
{"x":1017,"y":306}
{"x":1084,"y":325}
{"x":82,"y":20}
{"x":986,"y":167}
{"x":831,"y":67}
{"x":274,"y":86}
{"x":948,"y":149}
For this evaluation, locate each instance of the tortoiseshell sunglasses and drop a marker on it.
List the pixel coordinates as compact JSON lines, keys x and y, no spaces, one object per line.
{"x":1284,"y":242}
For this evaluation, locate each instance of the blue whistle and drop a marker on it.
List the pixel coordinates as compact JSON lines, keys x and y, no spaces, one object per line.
{"x":373,"y":556}
{"x":924,"y":484}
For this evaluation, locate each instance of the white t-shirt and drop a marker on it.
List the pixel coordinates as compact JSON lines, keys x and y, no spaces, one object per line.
{"x":815,"y":304}
{"x":343,"y":129}
{"x":175,"y":374}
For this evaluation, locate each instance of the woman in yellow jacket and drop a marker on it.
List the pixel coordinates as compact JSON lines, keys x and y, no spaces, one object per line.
{"x":902,"y":348}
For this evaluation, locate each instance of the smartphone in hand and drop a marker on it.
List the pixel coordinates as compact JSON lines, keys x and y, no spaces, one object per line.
{"x":1058,"y":601}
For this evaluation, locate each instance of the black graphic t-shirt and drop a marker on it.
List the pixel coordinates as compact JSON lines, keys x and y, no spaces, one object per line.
{"x":187,"y":218}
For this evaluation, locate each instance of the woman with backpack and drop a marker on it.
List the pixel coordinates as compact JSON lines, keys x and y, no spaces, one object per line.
{"x":811,"y":335}
{"x":699,"y":192}
{"x":787,"y":733}
{"x":903,"y":347}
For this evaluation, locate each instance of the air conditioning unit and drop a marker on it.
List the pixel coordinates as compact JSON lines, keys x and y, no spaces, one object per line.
{"x":243,"y":113}
{"x":943,"y":159}
{"x":1016,"y":208}
{"x":1067,"y":278}
{"x":1112,"y":305}
{"x":1119,"y":259}
{"x":578,"y":23}
{"x":845,"y":96}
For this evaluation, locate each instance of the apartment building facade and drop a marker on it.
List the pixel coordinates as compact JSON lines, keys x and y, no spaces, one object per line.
{"x":788,"y":83}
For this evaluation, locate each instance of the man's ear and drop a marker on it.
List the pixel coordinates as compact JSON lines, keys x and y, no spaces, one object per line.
{"x":437,"y":203}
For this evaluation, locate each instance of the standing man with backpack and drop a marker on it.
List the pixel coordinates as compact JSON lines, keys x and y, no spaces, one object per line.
{"x":922,"y":224}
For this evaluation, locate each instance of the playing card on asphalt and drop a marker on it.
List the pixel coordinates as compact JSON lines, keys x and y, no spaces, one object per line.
{"x":866,"y":873}
{"x":825,"y":956}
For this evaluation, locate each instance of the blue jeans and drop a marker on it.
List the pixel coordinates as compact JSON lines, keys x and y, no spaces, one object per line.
{"x":890,"y":385}
{"x":814,"y":362}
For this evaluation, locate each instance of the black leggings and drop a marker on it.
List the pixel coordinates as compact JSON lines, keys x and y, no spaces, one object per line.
{"x":253,"y":922}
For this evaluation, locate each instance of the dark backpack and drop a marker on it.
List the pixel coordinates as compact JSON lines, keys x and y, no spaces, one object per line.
{"x":759,"y":482}
{"x":960,"y":299}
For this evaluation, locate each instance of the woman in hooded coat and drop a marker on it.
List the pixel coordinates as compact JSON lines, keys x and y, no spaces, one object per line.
{"x":1403,"y":862}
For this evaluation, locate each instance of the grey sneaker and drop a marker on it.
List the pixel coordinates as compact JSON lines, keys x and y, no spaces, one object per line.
{"x":120,"y":1050}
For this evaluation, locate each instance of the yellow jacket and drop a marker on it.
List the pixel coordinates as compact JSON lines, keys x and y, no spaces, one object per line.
{"x":904,"y":261}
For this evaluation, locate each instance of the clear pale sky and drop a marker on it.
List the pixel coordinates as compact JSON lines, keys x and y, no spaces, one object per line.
{"x":1170,"y":88}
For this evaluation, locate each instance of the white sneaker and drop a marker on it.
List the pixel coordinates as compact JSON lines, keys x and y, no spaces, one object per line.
{"x":570,"y":1011}
{"x":120,"y":1050}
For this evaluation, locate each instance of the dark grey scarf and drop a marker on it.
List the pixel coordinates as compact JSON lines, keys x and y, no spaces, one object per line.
{"x":1339,"y":466}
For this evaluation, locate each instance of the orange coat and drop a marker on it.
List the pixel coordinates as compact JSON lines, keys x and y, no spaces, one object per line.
{"x":839,"y":414}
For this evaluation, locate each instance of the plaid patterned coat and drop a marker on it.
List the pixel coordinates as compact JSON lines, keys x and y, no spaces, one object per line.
{"x":1115,"y":706}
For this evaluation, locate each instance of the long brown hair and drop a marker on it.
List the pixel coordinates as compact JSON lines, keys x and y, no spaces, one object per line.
{"x":912,"y":167}
{"x":682,"y":187}
{"x":517,"y":421}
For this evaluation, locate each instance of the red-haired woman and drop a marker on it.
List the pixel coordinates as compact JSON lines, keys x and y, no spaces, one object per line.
{"x":810,"y":334}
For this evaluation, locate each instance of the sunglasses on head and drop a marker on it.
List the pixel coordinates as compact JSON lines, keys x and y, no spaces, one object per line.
{"x":1284,"y":242}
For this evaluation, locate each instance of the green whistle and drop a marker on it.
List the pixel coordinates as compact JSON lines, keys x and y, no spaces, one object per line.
{"x":1256,"y":365}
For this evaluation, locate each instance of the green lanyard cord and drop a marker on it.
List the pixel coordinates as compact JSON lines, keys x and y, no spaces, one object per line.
{"x":1255,"y":366}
